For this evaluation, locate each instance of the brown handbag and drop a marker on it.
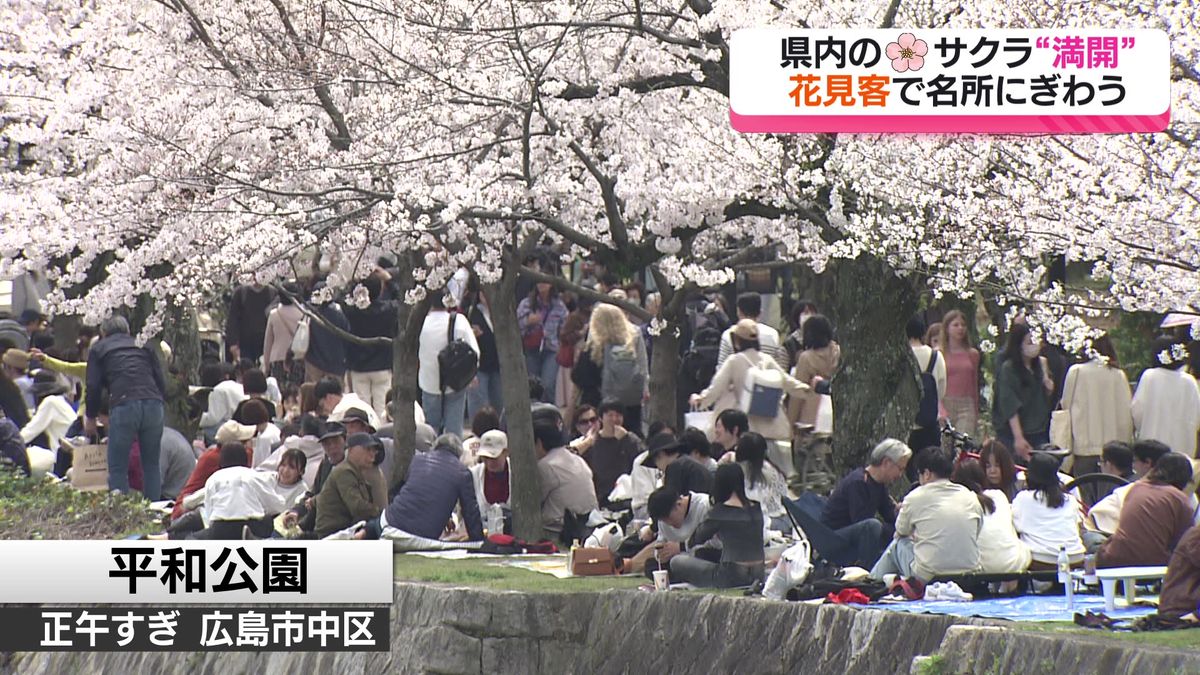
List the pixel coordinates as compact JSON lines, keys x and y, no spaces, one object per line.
{"x":592,"y":562}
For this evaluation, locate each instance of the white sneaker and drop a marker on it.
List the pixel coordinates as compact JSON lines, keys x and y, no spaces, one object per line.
{"x":933,"y":591}
{"x":954,"y":593}
{"x":349,"y":532}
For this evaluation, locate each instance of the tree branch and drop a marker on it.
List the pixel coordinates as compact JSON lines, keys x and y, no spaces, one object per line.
{"x":340,"y":139}
{"x":563,"y":284}
{"x":345,"y":335}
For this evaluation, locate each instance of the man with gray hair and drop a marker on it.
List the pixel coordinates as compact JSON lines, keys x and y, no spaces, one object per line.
{"x":133,"y":379}
{"x":863,"y":494}
{"x":437,"y":481}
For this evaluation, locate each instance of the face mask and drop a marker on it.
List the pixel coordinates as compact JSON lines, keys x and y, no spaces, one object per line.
{"x":1030,"y":351}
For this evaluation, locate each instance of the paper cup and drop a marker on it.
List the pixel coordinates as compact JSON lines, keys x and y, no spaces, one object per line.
{"x":662,"y":580}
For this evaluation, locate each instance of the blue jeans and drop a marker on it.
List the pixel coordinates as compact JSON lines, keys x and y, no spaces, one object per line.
{"x":543,"y":364}
{"x":456,"y":407}
{"x":141,"y":420}
{"x":866,"y":540}
{"x":485,"y":391}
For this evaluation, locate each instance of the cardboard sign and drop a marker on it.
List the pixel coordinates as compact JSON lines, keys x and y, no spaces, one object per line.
{"x":89,"y":466}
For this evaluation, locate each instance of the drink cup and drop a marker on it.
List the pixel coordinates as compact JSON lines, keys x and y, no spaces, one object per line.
{"x":662,"y":581}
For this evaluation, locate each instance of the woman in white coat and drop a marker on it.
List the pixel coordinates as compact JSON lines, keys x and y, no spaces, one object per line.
{"x":1166,"y":405}
{"x":730,"y":383}
{"x":53,"y":415}
{"x":1098,"y":398}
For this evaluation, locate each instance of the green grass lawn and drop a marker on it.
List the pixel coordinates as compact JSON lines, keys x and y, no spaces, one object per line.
{"x":1180,"y":639}
{"x":487,"y":574}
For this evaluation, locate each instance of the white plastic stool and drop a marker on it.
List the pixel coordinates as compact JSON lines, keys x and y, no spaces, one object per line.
{"x":1128,"y":576}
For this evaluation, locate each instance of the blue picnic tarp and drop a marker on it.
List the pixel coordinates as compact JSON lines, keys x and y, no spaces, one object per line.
{"x":1023,"y":608}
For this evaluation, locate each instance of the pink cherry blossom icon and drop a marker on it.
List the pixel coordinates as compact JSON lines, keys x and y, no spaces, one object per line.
{"x":907,"y":53}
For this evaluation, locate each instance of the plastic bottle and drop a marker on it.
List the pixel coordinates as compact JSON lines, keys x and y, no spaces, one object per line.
{"x":1064,"y":577}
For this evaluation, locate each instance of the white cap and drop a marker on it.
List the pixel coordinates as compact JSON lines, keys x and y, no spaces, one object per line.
{"x":492,"y":444}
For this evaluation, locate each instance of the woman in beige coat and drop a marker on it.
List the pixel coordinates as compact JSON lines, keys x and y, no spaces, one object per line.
{"x":1098,"y":397}
{"x":819,"y":358}
{"x":730,"y":380}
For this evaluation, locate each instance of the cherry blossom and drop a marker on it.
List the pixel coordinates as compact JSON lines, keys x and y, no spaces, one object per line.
{"x":907,"y":53}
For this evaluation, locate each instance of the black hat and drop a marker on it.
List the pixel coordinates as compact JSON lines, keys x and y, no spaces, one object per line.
{"x":332,"y":429}
{"x":365,"y":440}
{"x":358,"y":414}
{"x":663,"y":441}
{"x":46,"y":383}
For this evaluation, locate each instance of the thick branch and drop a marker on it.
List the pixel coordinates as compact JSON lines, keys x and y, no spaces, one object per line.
{"x":340,"y":139}
{"x":565,"y":285}
{"x":345,"y":335}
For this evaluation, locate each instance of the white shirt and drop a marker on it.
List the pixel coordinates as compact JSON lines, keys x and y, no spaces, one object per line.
{"x":1166,"y":408}
{"x":53,"y":417}
{"x":434,"y":334}
{"x":642,"y":481}
{"x":922,"y":354}
{"x":241,"y":493}
{"x":1045,"y":529}
{"x":1000,"y":548}
{"x":265,"y":442}
{"x":222,"y":401}
{"x":698,"y":507}
{"x":313,"y":451}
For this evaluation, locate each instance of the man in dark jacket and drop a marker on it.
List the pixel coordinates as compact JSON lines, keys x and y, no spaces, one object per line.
{"x":246,"y":325}
{"x":437,"y":481}
{"x":326,"y":351}
{"x":371,"y":367}
{"x":133,"y":378}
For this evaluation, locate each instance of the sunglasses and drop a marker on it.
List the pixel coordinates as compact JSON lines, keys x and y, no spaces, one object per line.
{"x":585,"y":421}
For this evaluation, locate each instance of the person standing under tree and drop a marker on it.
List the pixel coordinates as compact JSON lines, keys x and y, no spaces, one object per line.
{"x":962,"y":374}
{"x":133,"y":379}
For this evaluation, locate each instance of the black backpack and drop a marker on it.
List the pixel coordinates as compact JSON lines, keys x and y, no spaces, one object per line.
{"x":699,"y":364}
{"x":927,"y":413}
{"x":457,"y":362}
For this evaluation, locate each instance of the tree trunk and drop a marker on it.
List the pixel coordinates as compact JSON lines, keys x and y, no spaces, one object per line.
{"x":526,"y":494}
{"x":405,"y":390}
{"x":664,"y":376}
{"x":876,"y":389}
{"x":664,"y":365}
{"x":181,"y":333}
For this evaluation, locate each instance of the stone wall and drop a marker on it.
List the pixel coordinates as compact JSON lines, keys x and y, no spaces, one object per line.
{"x":468,"y":631}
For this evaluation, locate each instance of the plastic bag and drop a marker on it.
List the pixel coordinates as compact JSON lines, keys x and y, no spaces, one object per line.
{"x":793,"y":569}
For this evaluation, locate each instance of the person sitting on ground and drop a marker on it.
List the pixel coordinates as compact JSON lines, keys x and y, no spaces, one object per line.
{"x":698,"y":448}
{"x":1116,"y":459}
{"x":176,"y":464}
{"x":609,"y":450}
{"x":484,"y":420}
{"x":1104,"y":516}
{"x":998,"y":466}
{"x":1154,"y":517}
{"x":53,"y":415}
{"x":492,"y":479}
{"x":254,"y":386}
{"x":1046,"y":517}
{"x":1180,"y":594}
{"x":737,"y":522}
{"x":728,"y":427}
{"x":238,"y":499}
{"x":1001,"y":550}
{"x":437,"y":482}
{"x":355,"y":491}
{"x":566,"y":479}
{"x":308,"y":441}
{"x":327,"y":393}
{"x":333,"y":444}
{"x":765,"y":482}
{"x":862,"y":495}
{"x":209,"y":462}
{"x":679,"y":471}
{"x":676,"y":517}
{"x":223,"y":398}
{"x":937,"y":528}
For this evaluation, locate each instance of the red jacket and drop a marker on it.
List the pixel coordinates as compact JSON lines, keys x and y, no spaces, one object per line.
{"x":208,"y":463}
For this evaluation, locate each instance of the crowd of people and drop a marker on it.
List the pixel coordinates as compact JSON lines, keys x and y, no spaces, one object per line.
{"x":294,"y":434}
